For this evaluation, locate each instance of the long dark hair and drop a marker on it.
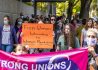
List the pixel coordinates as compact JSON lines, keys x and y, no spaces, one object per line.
{"x":69,"y":38}
{"x":86,"y":25}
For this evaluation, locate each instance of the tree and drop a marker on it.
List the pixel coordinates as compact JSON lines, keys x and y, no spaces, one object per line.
{"x":85,"y":7}
{"x":71,"y":4}
{"x":61,"y":8}
{"x":42,"y":6}
{"x":94,"y":8}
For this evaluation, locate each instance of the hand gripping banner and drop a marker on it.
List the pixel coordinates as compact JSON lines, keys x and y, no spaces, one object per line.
{"x":64,"y":60}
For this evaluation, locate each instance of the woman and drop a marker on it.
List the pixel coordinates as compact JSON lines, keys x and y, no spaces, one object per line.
{"x":18,"y":24}
{"x":91,"y":39}
{"x":19,"y":33}
{"x":7,"y":35}
{"x":67,"y":40}
{"x":88,"y":25}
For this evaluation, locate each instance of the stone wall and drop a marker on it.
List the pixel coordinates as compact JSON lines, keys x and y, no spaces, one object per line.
{"x":13,"y":8}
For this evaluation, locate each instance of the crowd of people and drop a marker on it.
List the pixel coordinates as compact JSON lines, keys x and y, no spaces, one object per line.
{"x":66,"y":35}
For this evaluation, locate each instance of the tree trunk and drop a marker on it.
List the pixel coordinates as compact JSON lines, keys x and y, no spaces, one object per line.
{"x":69,"y":12}
{"x":85,"y":7}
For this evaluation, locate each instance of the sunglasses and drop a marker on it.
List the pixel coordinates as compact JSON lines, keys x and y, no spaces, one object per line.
{"x":52,"y":19}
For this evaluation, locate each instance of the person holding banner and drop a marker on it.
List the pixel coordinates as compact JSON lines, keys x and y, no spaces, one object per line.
{"x":91,"y":40}
{"x":7,"y":35}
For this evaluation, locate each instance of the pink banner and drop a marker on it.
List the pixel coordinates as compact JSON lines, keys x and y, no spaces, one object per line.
{"x":64,"y":60}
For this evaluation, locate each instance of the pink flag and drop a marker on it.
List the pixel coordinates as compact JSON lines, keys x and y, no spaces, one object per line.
{"x":64,"y":60}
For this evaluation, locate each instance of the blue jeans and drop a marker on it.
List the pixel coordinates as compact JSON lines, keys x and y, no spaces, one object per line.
{"x":7,"y":48}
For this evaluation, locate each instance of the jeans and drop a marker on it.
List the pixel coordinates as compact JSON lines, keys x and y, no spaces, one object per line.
{"x":7,"y":48}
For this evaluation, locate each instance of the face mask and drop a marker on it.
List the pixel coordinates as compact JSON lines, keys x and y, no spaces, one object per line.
{"x":20,"y":23}
{"x":91,"y":41}
{"x":5,"y":22}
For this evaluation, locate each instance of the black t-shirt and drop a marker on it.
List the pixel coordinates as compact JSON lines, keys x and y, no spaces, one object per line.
{"x":96,"y":49}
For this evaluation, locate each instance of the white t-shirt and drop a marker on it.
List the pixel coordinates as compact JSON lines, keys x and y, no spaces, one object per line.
{"x":6,"y":35}
{"x":84,"y":32}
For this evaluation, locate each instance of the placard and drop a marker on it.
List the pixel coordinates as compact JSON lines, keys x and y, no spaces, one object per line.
{"x":37,"y":35}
